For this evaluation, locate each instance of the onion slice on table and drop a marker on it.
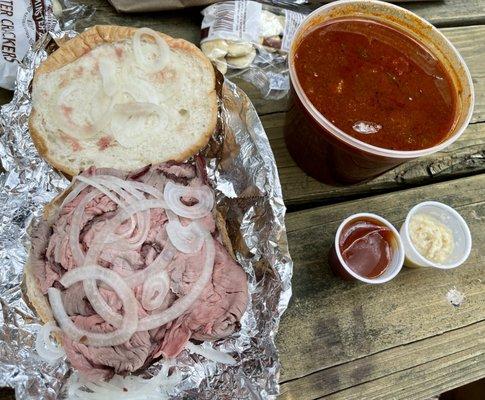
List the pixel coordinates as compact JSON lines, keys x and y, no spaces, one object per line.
{"x":173,"y":193}
{"x":182,"y":304}
{"x":44,"y":345}
{"x":211,"y":354}
{"x":164,"y":50}
{"x":129,"y":321}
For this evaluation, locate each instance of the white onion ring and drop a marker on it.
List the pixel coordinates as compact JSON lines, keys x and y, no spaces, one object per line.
{"x":92,"y":293}
{"x":129,"y":122}
{"x":76,"y":251}
{"x":125,"y":294}
{"x":64,"y":124}
{"x":133,"y":187}
{"x":45,"y":347}
{"x":164,"y":54}
{"x":174,"y":192}
{"x":157,"y":266}
{"x":94,"y":183}
{"x":75,"y":191}
{"x":187,"y":239}
{"x":211,"y":354}
{"x":155,"y":289}
{"x":181,"y":305}
{"x":108,"y":80}
{"x":96,"y":125}
{"x":105,"y":185}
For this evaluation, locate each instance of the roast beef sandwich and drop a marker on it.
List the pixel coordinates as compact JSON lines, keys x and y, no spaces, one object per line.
{"x":133,"y":266}
{"x":121,"y":97}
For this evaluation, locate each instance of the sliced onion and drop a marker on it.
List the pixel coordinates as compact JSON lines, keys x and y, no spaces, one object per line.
{"x":129,"y":120}
{"x":105,"y":186}
{"x":129,"y":321}
{"x":89,"y":129}
{"x":103,"y":108}
{"x":173,"y":193}
{"x":181,"y":305}
{"x":75,"y":191}
{"x":75,"y":229}
{"x":155,"y":289}
{"x":187,"y":239}
{"x":211,"y":354}
{"x":93,"y":182}
{"x":108,"y":79}
{"x":130,"y":387}
{"x":164,"y":50}
{"x":64,"y":124}
{"x":90,"y":288}
{"x":44,"y":345}
{"x":133,"y":187}
{"x":157,"y":266}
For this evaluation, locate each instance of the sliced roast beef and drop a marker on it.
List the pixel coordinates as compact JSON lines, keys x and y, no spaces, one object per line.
{"x":215,"y":314}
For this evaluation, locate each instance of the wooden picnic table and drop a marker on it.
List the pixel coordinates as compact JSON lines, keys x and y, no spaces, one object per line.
{"x":404,"y":339}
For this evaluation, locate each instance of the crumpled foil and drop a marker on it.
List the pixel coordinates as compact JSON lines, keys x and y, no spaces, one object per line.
{"x":248,"y":193}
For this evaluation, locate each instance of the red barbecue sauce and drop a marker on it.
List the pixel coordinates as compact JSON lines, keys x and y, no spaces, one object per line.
{"x":377,"y":84}
{"x":366,"y":246}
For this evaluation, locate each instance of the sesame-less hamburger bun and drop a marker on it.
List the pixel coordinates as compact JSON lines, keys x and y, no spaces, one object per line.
{"x":123,"y":98}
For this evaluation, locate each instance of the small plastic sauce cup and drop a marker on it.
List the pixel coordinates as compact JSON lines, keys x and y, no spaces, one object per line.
{"x":340,"y":267}
{"x":451,"y":219}
{"x":327,"y":153}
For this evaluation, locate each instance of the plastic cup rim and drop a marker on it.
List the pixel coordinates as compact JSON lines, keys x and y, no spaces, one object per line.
{"x":450,"y":210}
{"x":397,"y":237}
{"x":340,"y":134}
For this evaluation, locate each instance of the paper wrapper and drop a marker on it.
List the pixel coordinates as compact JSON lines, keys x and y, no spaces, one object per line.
{"x":160,"y":5}
{"x":248,"y":192}
{"x":156,"y":5}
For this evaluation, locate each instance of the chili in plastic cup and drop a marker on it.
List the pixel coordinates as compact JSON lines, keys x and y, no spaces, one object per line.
{"x":327,"y":153}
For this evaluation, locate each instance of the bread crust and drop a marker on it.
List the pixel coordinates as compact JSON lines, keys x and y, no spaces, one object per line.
{"x":82,"y":44}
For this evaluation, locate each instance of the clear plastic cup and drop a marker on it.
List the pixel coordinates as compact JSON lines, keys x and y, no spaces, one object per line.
{"x":327,"y":153}
{"x":340,"y":267}
{"x":450,"y":218}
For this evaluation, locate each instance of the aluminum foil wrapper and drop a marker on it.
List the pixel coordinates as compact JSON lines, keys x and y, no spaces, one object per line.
{"x":248,"y":191}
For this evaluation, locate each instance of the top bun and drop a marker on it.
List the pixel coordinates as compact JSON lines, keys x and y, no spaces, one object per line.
{"x":123,"y":98}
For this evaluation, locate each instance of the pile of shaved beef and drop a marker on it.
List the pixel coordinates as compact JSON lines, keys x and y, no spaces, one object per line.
{"x":215,"y":314}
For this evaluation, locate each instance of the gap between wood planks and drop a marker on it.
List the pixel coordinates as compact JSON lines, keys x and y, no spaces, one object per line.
{"x":291,"y":208}
{"x":417,"y":342}
{"x":402,"y":379}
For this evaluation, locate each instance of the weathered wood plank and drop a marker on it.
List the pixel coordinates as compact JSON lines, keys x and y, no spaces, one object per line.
{"x":422,"y":381}
{"x":407,"y":359}
{"x":465,"y":156}
{"x":450,"y":12}
{"x":330,"y":322}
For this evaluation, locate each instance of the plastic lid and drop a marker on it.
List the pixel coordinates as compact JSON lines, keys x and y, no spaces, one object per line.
{"x":462,"y":240}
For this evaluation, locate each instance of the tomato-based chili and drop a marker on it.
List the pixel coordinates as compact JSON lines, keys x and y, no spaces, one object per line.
{"x":376,"y":84}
